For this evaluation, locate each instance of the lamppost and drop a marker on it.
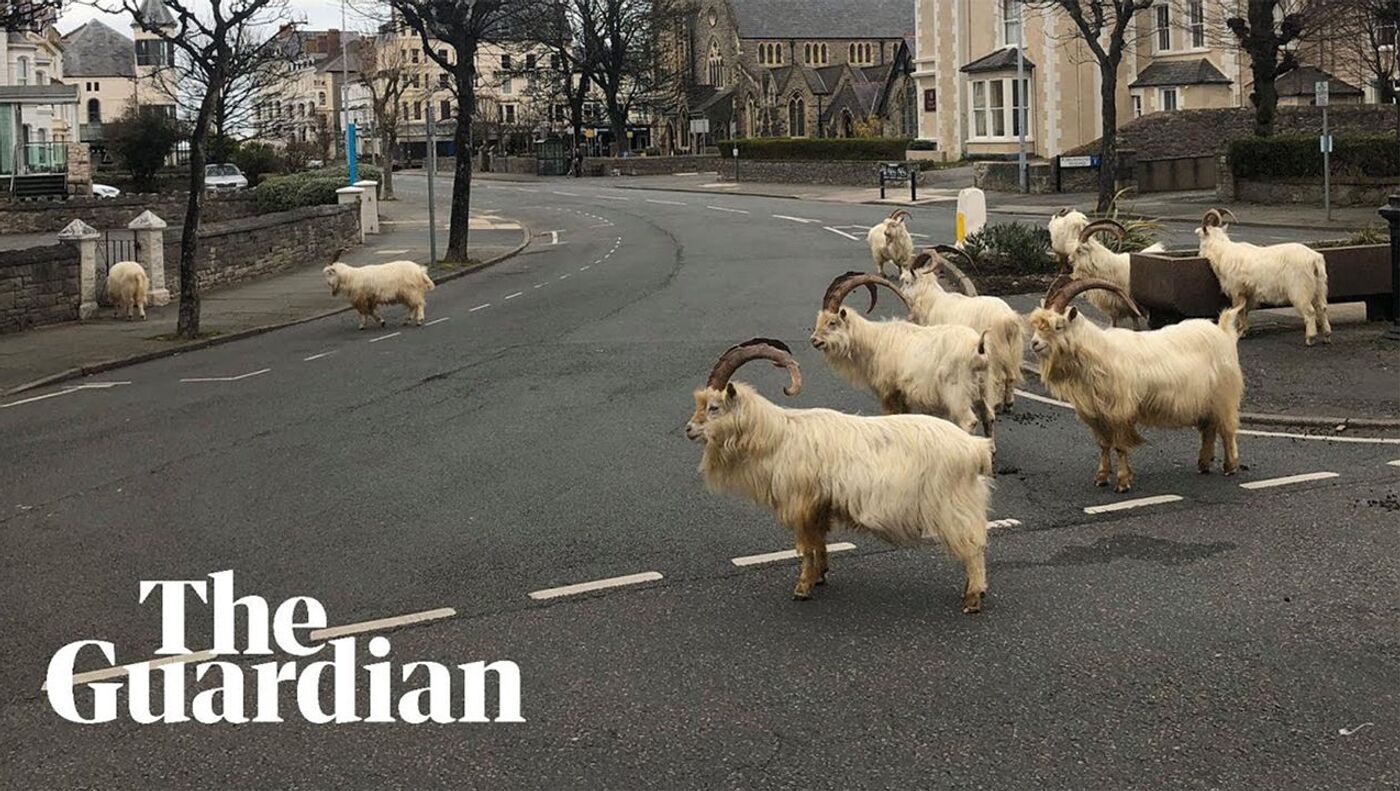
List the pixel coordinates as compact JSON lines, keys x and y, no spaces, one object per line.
{"x":352,"y":165}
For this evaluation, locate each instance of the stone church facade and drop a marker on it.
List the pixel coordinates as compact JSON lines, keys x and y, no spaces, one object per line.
{"x":789,"y":68}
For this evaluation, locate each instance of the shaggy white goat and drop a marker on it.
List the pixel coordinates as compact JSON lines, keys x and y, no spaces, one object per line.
{"x":1072,"y":238}
{"x":1288,"y":273}
{"x":930,"y":304}
{"x":890,"y":241}
{"x":394,"y":283}
{"x":940,"y":370}
{"x":1184,"y":375}
{"x":908,"y":479}
{"x":127,"y":287}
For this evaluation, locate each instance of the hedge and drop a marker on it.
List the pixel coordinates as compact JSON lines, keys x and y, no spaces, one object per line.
{"x":818,"y":149}
{"x":309,"y":188}
{"x":1299,"y":156}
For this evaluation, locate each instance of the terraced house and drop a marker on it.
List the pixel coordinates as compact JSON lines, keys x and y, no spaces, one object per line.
{"x":789,"y":68}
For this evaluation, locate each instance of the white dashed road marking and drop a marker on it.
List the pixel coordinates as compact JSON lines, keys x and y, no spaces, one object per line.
{"x":1003,"y":523}
{"x":380,"y":624}
{"x":509,"y":297}
{"x":731,"y":211}
{"x":1138,"y":503}
{"x":1042,"y":399}
{"x":480,"y":307}
{"x":585,"y":587}
{"x":1395,"y":463}
{"x":122,"y":670}
{"x":585,"y":268}
{"x":841,"y":233}
{"x":1286,"y":480}
{"x":566,"y":194}
{"x":787,"y":554}
{"x":665,"y":202}
{"x":1322,"y":438}
{"x":317,"y":356}
{"x":803,"y":220}
{"x":65,"y":391}
{"x":437,"y":321}
{"x":392,"y":252}
{"x":248,"y":375}
{"x":385,"y":337}
{"x":540,"y":285}
{"x":614,"y":197}
{"x":563,"y":277}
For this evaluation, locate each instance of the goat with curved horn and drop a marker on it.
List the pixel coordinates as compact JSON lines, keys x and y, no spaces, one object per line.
{"x":1098,"y":226}
{"x":1074,"y":238}
{"x":948,"y":252}
{"x":756,"y":349}
{"x":889,"y":242}
{"x":844,"y":284}
{"x":1060,"y":299}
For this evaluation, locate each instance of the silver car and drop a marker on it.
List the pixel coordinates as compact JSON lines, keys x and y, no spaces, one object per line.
{"x":224,"y":178}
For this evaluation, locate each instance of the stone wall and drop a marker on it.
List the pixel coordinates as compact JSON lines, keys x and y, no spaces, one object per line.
{"x":254,"y":247}
{"x":649,"y":166}
{"x":1351,"y":192}
{"x":834,"y":172}
{"x":51,"y":215}
{"x":38,"y":285}
{"x":1006,"y":176}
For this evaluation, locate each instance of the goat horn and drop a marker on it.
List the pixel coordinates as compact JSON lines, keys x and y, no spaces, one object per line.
{"x":843,"y":285}
{"x":964,"y":282}
{"x":756,"y":349}
{"x":923,"y":262}
{"x":1112,"y":226}
{"x":1062,"y":212}
{"x":1231,"y":214}
{"x":898,"y":213}
{"x":1211,"y":218}
{"x":1060,"y":281}
{"x":1061,"y":298}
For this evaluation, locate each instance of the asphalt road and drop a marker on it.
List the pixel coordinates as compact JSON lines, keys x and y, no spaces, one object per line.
{"x":532,"y":439}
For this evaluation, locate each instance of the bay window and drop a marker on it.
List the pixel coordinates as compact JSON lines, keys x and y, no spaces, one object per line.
{"x":997,"y":105}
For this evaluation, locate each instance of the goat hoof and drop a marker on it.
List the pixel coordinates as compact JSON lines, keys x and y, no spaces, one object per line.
{"x":1203,"y":469}
{"x":972,"y":603}
{"x":1100,"y":481}
{"x":821,"y":580}
{"x":796,"y":596}
{"x":1232,"y":471}
{"x":1327,"y":339}
{"x":1122,"y":488}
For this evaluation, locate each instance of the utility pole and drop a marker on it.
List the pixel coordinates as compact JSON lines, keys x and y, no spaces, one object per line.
{"x":352,"y":165}
{"x":1021,"y":91}
{"x":432,"y":177}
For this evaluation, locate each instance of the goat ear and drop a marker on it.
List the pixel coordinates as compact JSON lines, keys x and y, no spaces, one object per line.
{"x":842,"y":313}
{"x":1072,"y":314}
{"x":729,"y":391}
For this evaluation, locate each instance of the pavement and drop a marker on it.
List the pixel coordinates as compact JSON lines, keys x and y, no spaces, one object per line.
{"x":531,"y":437}
{"x":62,"y":350}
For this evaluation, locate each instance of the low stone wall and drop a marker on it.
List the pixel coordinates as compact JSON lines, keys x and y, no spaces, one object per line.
{"x":1006,"y":176}
{"x":254,"y":247}
{"x":649,"y":166}
{"x":51,"y":215}
{"x":835,"y":172}
{"x":1372,"y":192}
{"x":38,"y":286}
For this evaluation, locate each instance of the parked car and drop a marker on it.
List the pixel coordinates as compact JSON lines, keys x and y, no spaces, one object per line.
{"x":224,"y":178}
{"x":104,"y":191}
{"x":314,"y":164}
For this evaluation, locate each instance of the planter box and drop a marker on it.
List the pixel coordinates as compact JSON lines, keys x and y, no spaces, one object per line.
{"x":913,"y":155}
{"x":1178,"y":285}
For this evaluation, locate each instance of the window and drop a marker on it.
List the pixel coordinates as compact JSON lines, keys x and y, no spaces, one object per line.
{"x":445,"y":109}
{"x":94,"y":111}
{"x":507,"y":113}
{"x":415,"y":56}
{"x":555,"y":62}
{"x":507,"y":85}
{"x":1197,"y":10}
{"x":505,"y":60}
{"x":996,"y":108}
{"x":321,"y":98}
{"x":417,"y":111}
{"x":931,"y":100}
{"x":1011,"y":22}
{"x":1164,"y":27}
{"x":1019,"y":107}
{"x":715,"y":66}
{"x":97,"y":86}
{"x":530,"y":61}
{"x":153,"y":52}
{"x":1137,"y":105}
{"x":797,"y":117}
{"x":979,"y":109}
{"x":442,"y":79}
{"x":22,"y":69}
{"x":442,"y":55}
{"x":807,"y":53}
{"x":1169,"y":99}
{"x":40,"y":77}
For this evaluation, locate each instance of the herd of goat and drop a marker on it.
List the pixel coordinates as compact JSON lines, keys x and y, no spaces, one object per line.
{"x":918,"y":474}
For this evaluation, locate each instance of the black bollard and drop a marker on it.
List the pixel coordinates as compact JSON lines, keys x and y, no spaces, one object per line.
{"x":1391,"y":213}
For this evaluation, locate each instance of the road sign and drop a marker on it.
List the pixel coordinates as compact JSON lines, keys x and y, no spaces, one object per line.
{"x":1325,"y":144}
{"x":1322,"y":89}
{"x":699,"y":126}
{"x":1079,"y":162}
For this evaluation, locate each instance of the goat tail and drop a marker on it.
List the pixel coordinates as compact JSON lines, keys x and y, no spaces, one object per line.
{"x":1230,"y":322}
{"x":1010,"y":335}
{"x":428,"y":284}
{"x":1320,"y":275}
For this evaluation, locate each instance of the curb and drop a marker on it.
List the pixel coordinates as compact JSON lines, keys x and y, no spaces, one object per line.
{"x":1299,"y":421}
{"x":136,"y":359}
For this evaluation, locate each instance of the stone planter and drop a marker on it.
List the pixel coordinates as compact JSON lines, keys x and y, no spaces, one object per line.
{"x":913,"y":155}
{"x":1179,"y":284}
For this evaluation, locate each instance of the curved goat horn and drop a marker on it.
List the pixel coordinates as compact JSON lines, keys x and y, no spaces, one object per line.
{"x":1211,"y":219}
{"x":1060,"y":299}
{"x":756,"y":349}
{"x":1062,"y":212}
{"x":923,"y":263}
{"x":964,"y":282}
{"x":1231,"y":214}
{"x":1112,"y":226}
{"x":843,"y":285}
{"x":897,"y":213}
{"x":1061,"y":280}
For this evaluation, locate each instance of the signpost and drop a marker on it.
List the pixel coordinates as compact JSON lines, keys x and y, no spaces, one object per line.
{"x":1322,"y":90}
{"x":895,"y":172}
{"x":432,"y":177}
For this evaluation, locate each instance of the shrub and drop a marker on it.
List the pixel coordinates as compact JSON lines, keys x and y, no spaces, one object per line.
{"x":923,"y":145}
{"x":1299,"y":156}
{"x":1142,"y":232}
{"x":310,"y":188}
{"x":1011,"y":247}
{"x":258,"y":159}
{"x":817,"y":149}
{"x":141,"y":140}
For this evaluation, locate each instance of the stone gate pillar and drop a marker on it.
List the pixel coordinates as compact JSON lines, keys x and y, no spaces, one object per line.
{"x":348,"y":195}
{"x":85,"y":237}
{"x":150,"y":253}
{"x":369,"y":205}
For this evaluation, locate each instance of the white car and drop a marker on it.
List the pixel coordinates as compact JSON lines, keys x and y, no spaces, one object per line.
{"x":104,"y":191}
{"x":224,"y":178}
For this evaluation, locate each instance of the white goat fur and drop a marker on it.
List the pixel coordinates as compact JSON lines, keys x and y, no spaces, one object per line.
{"x":127,"y":288}
{"x":1093,"y":259}
{"x":907,"y":479}
{"x":890,"y":241}
{"x":1184,"y":375}
{"x":940,"y":370}
{"x":930,"y":304}
{"x":1288,"y":273}
{"x":393,"y":283}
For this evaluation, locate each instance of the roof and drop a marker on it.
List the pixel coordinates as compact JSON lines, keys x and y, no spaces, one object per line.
{"x":96,"y":50}
{"x":54,"y":93}
{"x":1303,"y":80}
{"x":1004,"y":58}
{"x":825,"y":18}
{"x":154,"y":12}
{"x":1180,"y":72}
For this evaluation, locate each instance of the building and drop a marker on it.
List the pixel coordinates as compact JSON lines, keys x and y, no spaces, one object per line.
{"x":38,"y":113}
{"x":102,"y":64}
{"x":789,"y":68}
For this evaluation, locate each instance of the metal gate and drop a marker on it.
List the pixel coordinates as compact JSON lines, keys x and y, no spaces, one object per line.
{"x":552,"y":158}
{"x":116,"y":246}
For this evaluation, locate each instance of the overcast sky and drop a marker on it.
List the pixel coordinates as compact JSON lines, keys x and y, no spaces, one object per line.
{"x":315,"y":13}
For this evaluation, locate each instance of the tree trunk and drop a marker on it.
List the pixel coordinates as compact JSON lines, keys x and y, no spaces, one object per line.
{"x":462,"y":171}
{"x":386,"y":141}
{"x":618,"y":117}
{"x":1108,"y":145}
{"x":1265,"y":95}
{"x":187,"y":326}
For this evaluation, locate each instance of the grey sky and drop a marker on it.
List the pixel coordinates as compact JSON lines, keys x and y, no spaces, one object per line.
{"x":315,"y":13}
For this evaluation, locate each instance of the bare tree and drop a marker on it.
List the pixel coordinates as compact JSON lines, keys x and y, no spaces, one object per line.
{"x":382,"y":74}
{"x":1370,"y":31}
{"x":1104,"y":27}
{"x":451,"y":31}
{"x":218,"y":39}
{"x":564,"y":76}
{"x":1268,"y":33}
{"x":619,"y":39}
{"x":30,"y":14}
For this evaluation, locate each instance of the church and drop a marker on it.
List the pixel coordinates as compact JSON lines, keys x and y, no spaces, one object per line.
{"x":789,"y":68}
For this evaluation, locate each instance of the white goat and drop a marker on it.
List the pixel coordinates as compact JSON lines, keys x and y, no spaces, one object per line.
{"x":1288,"y":273}
{"x":127,"y":287}
{"x":930,"y":304}
{"x":1072,"y":238}
{"x":1184,"y":375}
{"x":394,"y":283}
{"x":890,"y":241}
{"x":940,"y":370}
{"x":908,"y":479}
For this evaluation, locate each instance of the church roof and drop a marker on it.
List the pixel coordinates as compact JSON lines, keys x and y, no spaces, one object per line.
{"x":825,"y":18}
{"x":154,"y":13}
{"x":96,"y":50}
{"x":1180,"y":72}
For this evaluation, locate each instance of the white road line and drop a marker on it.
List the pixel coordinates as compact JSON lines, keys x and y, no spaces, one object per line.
{"x":122,"y":670}
{"x":392,"y":252}
{"x":585,"y":587}
{"x":840,"y":232}
{"x":563,"y":277}
{"x":540,"y":285}
{"x":509,"y":297}
{"x":689,"y":173}
{"x":614,"y":197}
{"x":731,"y":211}
{"x":385,"y":337}
{"x":803,"y":220}
{"x":437,"y":321}
{"x":1395,"y":463}
{"x":585,"y":267}
{"x":480,"y":307}
{"x":226,"y":378}
{"x":1269,"y":483}
{"x":787,"y":554}
{"x":317,"y":356}
{"x":665,"y":202}
{"x":1042,"y":399}
{"x":526,"y":189}
{"x":380,"y":624}
{"x":1321,"y":438}
{"x":65,"y":391}
{"x":1138,"y":503}
{"x":566,"y":194}
{"x":1003,"y":523}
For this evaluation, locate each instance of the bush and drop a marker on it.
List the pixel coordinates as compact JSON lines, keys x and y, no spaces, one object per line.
{"x":817,"y":149}
{"x":310,"y":188}
{"x":259,"y":159}
{"x":141,"y":140}
{"x":1011,"y":247}
{"x":1299,"y":156}
{"x":1142,"y":232}
{"x":923,"y":145}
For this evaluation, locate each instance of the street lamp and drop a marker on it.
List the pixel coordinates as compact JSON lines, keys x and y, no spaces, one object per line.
{"x":352,"y":165}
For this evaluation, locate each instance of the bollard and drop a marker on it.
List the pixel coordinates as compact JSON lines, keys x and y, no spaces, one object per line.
{"x":348,"y":195}
{"x":369,"y":205}
{"x":972,"y":212}
{"x":1391,"y":213}
{"x":85,"y":236}
{"x":150,"y":253}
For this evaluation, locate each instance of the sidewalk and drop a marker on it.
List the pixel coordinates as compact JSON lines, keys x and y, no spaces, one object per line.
{"x":76,"y":348}
{"x":1189,"y":206}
